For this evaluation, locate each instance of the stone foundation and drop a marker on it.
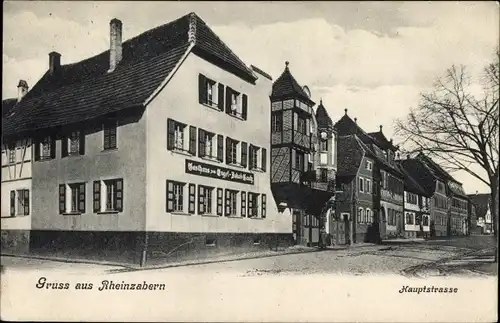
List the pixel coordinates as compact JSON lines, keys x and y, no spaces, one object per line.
{"x":15,"y":241}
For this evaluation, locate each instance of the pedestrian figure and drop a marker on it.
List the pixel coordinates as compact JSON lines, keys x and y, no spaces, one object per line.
{"x":323,"y":237}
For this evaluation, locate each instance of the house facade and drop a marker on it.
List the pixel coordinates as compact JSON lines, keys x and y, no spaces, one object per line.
{"x":153,"y":148}
{"x":303,"y":158}
{"x":16,"y":183}
{"x":480,"y":204}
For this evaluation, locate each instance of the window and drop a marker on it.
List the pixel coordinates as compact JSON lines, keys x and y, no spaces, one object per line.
{"x":108,"y":195}
{"x":231,"y":151}
{"x":179,"y":136}
{"x":210,"y":241}
{"x":175,"y":196}
{"x":369,"y":216}
{"x":263,"y":206}
{"x":299,"y":160}
{"x":110,"y":127}
{"x":323,"y":175}
{"x":277,"y":122}
{"x":12,"y":153}
{"x":211,"y":93}
{"x":361,"y":181}
{"x":207,"y":144}
{"x":73,"y":144}
{"x":369,"y":165}
{"x":22,"y":207}
{"x":253,"y":205}
{"x":231,"y":202}
{"x":45,"y":148}
{"x":323,"y":145}
{"x":301,"y":125}
{"x":360,"y":215}
{"x":368,"y":186}
{"x":236,"y":103}
{"x":72,"y":198}
{"x":409,"y":218}
{"x":205,"y":199}
{"x":254,"y":152}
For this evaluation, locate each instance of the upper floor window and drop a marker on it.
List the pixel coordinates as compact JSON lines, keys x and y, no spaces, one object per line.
{"x":46,"y":145}
{"x":12,"y":152}
{"x":178,"y":139}
{"x":236,"y":103}
{"x":409,"y":218}
{"x":74,"y":144}
{"x":411,"y":198}
{"x":45,"y":148}
{"x":323,"y":145}
{"x":301,"y":125}
{"x":211,"y":93}
{"x":299,"y":160}
{"x":323,"y":175}
{"x":254,"y":153}
{"x":277,"y":121}
{"x":109,"y":129}
{"x":368,"y":186}
{"x":231,"y":151}
{"x":368,"y":165}
{"x":208,"y":144}
{"x":361,"y":182}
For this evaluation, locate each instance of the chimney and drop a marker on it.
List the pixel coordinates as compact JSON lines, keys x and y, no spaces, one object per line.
{"x":115,"y":43}
{"x":380,"y":128}
{"x":54,"y":62}
{"x":22,"y":89}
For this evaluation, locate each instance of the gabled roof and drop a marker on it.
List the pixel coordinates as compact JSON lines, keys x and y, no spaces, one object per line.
{"x":351,"y":157}
{"x":85,"y":90}
{"x":382,"y":139}
{"x":7,"y":105}
{"x":286,"y":87}
{"x":481,"y":201}
{"x":421,"y":173}
{"x":322,"y":117}
{"x":454,"y":185}
{"x":411,"y":184}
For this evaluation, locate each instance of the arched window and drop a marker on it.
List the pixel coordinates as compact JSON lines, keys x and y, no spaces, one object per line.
{"x":369,"y":218}
{"x":360,"y":214}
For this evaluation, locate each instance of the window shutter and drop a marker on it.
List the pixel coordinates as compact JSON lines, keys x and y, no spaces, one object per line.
{"x":170,"y":133}
{"x":264,"y":158}
{"x":250,"y":205}
{"x":263,"y":205}
{"x":192,"y":199}
{"x":81,"y":198}
{"x":192,"y":140}
{"x":201,"y":143}
{"x":220,"y":92}
{"x":106,"y":142}
{"x":227,"y":204}
{"x":244,"y":108}
{"x":201,"y":198}
{"x":243,"y":204}
{"x":52,"y":146}
{"x":228,"y":99}
{"x":244,"y":154}
{"x":82,"y":142}
{"x":37,"y":150}
{"x":170,"y":196}
{"x":202,"y":89}
{"x":97,"y":196}
{"x":219,"y":201}
{"x":12,"y":203}
{"x":26,"y":202}
{"x":64,"y":146}
{"x":220,"y":148}
{"x":228,"y":149}
{"x":62,"y":198}
{"x":119,"y":195}
{"x":112,"y":131}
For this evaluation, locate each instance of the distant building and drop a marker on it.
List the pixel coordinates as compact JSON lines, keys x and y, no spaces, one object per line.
{"x":482,"y":207}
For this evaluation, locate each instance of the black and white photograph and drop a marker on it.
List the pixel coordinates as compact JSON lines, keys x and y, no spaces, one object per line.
{"x":250,"y":161}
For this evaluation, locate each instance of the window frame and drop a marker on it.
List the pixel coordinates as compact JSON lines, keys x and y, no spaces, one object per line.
{"x":109,"y":126}
{"x":277,"y":121}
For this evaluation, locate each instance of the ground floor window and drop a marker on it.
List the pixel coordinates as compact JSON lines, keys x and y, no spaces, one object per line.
{"x":19,"y":202}
{"x":410,"y":218}
{"x":72,"y":198}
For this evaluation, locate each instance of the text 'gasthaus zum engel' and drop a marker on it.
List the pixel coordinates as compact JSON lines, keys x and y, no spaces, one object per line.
{"x":104,"y":285}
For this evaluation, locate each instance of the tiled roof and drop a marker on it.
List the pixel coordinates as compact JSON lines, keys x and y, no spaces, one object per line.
{"x":440,"y":172}
{"x":481,"y":202}
{"x":411,"y":184}
{"x":350,"y":157}
{"x":382,"y":139}
{"x":420,"y":173}
{"x":7,"y":105}
{"x":86,"y":90}
{"x":286,"y":86}
{"x":322,"y":117}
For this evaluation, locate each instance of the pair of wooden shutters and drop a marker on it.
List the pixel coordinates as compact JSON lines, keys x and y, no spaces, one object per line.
{"x":171,"y":124}
{"x":81,"y":145}
{"x":81,"y":198}
{"x":24,"y":195}
{"x":223,"y":92}
{"x":117,"y":196}
{"x":202,"y":136}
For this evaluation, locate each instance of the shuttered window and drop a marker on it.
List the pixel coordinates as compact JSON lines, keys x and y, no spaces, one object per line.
{"x":205,"y":199}
{"x":192,"y":199}
{"x":263,"y":206}
{"x":175,"y":196}
{"x":109,"y":129}
{"x":97,"y":196}
{"x":12,"y":203}
{"x":192,"y":140}
{"x":219,"y":201}
{"x":26,"y":202}
{"x":244,"y":154}
{"x":263,"y":159}
{"x":62,"y":198}
{"x":244,"y":106}
{"x":220,"y":148}
{"x":243,"y":204}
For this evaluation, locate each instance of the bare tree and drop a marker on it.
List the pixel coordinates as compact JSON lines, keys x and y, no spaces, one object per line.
{"x":457,"y":123}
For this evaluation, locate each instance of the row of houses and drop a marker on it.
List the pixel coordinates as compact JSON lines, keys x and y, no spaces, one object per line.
{"x":169,"y":145}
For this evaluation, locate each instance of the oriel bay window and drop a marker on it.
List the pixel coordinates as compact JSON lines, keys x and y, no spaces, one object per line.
{"x":231,"y":200}
{"x":175,"y":196}
{"x":74,"y":144}
{"x":108,"y":195}
{"x":22,"y":207}
{"x":72,"y":198}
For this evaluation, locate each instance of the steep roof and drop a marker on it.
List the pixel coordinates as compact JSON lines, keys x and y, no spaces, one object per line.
{"x":286,"y":86}
{"x":85,"y":90}
{"x":421,"y":173}
{"x":351,"y":157}
{"x":454,"y":185}
{"x":7,"y":105}
{"x":322,"y":117}
{"x":481,"y":201}
{"x":382,"y":139}
{"x":411,"y":184}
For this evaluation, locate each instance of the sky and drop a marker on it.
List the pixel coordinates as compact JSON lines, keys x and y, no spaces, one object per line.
{"x":372,"y":58}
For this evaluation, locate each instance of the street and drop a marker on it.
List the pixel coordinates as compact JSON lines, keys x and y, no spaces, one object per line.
{"x":470,"y":256}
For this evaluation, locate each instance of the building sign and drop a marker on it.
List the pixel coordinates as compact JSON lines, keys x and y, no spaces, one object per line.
{"x":207,"y":170}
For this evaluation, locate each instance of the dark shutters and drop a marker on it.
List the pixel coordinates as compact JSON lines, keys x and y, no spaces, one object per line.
{"x":227,"y":203}
{"x":52,"y":146}
{"x":119,"y":195}
{"x":112,"y":134}
{"x":220,"y":148}
{"x":220,"y":102}
{"x":26,"y":202}
{"x":202,"y":89}
{"x":219,"y":201}
{"x":244,"y":154}
{"x":264,"y":158}
{"x":81,"y":198}
{"x":36,"y":143}
{"x":229,"y":100}
{"x":64,"y":146}
{"x":201,"y":143}
{"x":263,"y":205}
{"x":170,"y":196}
{"x":192,"y":199}
{"x":192,"y":140}
{"x":106,"y":139}
{"x":244,"y":106}
{"x":82,"y":142}
{"x":250,"y":205}
{"x":243,"y":204}
{"x":170,"y":134}
{"x":12,"y":203}
{"x":62,"y":198}
{"x":228,"y":150}
{"x":201,"y":199}
{"x":97,"y":196}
